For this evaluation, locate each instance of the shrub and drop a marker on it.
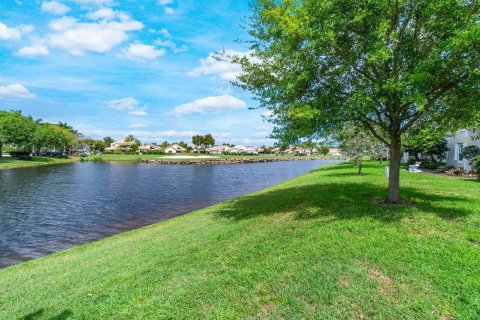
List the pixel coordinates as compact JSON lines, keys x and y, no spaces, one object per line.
{"x":442,"y":168}
{"x":429,"y":164}
{"x":476,"y":165}
{"x":456,"y":172}
{"x":21,"y":155}
{"x":411,"y":160}
{"x":470,"y":152}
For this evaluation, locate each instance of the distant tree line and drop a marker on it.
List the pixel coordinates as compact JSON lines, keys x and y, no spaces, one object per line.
{"x":27,"y":134}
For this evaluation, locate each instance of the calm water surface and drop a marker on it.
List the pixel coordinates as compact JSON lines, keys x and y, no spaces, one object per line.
{"x":47,"y":209}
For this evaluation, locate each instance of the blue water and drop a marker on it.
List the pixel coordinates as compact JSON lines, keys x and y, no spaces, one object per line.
{"x":51,"y":208}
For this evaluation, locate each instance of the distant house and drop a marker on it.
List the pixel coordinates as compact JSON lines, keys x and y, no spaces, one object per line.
{"x":276,"y":150}
{"x":334,"y":151}
{"x":175,"y":148}
{"x":148,"y":148}
{"x":198,"y":149}
{"x":120,"y":146}
{"x":456,"y":143}
{"x":219,"y":149}
{"x":239,"y":149}
{"x":302,"y":151}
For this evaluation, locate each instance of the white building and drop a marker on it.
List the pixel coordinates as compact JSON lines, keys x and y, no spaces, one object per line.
{"x":120,"y":145}
{"x":462,"y":138}
{"x":175,"y":148}
{"x":198,"y":149}
{"x":148,"y":147}
{"x":334,"y":151}
{"x":243,"y":150}
{"x":219,"y":149}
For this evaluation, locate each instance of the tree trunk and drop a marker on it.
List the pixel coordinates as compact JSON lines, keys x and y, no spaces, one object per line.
{"x":394,"y":177}
{"x":360,"y":167}
{"x":1,"y":150}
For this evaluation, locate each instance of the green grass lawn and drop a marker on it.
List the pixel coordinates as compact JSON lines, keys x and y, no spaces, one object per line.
{"x":8,"y":163}
{"x":318,"y":246}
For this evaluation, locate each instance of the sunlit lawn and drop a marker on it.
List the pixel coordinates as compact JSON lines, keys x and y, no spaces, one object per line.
{"x":318,"y":246}
{"x":13,"y":163}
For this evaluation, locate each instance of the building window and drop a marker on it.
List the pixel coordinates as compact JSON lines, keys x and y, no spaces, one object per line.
{"x":458,"y":152}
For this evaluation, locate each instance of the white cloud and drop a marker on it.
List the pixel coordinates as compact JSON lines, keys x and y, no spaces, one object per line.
{"x":139,"y":51}
{"x":166,"y":41}
{"x":163,"y":135}
{"x":62,"y":24}
{"x":267,"y":114}
{"x":138,"y":126}
{"x":171,"y":45}
{"x":102,"y":13}
{"x":224,"y":69}
{"x":138,"y":113}
{"x":31,"y":51}
{"x":55,"y":7}
{"x":128,"y":103}
{"x":7,"y":33}
{"x":214,"y":104}
{"x":222,"y":135}
{"x":80,"y":38}
{"x":165,"y":4}
{"x":164,"y":32}
{"x":15,"y":91}
{"x":95,"y":2}
{"x":262,"y":134}
{"x":263,"y":128}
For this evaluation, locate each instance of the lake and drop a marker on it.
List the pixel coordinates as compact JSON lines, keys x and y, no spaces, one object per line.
{"x":51,"y":208}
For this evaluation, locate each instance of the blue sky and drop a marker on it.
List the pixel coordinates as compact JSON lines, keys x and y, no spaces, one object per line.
{"x":115,"y":67}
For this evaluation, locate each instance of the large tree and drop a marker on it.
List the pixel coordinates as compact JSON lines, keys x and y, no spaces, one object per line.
{"x":16,"y":129}
{"x":204,"y":141}
{"x":108,"y":141}
{"x":53,"y":136}
{"x":386,"y":64}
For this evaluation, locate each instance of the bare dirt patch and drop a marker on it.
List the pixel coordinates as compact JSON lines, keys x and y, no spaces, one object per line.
{"x":343,"y":281}
{"x":385,"y":282}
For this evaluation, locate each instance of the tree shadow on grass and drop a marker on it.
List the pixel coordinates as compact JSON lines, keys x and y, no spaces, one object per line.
{"x":472,"y":180}
{"x":343,"y":201}
{"x":39,"y":314}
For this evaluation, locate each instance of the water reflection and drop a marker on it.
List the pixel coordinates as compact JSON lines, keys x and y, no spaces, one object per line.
{"x":46,"y":209}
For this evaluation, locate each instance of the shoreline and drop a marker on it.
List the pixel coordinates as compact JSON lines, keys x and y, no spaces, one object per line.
{"x":145,"y":221}
{"x":219,"y":161}
{"x":34,"y":163}
{"x":37,"y":162}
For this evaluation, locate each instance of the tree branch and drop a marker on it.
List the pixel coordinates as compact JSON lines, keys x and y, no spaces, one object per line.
{"x":374,"y":132}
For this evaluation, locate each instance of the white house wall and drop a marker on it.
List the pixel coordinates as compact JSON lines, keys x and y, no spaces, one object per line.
{"x":465,"y":137}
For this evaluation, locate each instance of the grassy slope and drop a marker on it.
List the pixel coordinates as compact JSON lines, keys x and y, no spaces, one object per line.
{"x":313,"y":247}
{"x":8,"y":163}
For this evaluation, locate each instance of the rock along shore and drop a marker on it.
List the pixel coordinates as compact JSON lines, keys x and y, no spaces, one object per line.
{"x":225,"y":161}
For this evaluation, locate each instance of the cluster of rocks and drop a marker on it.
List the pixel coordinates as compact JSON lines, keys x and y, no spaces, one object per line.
{"x":224,"y":161}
